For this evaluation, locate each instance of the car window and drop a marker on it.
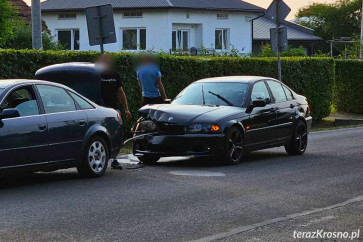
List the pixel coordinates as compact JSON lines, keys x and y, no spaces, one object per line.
{"x":1,"y":90}
{"x":213,"y":93}
{"x":55,"y":99}
{"x":24,"y":100}
{"x":260,"y":92}
{"x":288,"y":93}
{"x":83,"y":104}
{"x":277,"y":91}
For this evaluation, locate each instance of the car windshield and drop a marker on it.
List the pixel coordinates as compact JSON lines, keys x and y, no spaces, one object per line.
{"x":213,"y":94}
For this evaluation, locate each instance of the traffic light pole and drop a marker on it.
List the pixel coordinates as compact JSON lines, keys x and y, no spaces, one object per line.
{"x":278,"y":40}
{"x":36,"y":25}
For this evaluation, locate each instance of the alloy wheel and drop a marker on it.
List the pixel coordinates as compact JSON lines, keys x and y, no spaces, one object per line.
{"x":97,"y":156}
{"x":301,"y":138}
{"x":235,"y":146}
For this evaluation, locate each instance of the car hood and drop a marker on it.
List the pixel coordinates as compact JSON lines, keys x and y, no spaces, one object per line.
{"x":185,"y":114}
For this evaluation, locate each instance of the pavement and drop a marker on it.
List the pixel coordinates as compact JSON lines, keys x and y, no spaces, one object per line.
{"x":266,"y":198}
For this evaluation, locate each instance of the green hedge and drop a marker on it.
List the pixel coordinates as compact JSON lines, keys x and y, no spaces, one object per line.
{"x":312,"y":77}
{"x":348,"y":89}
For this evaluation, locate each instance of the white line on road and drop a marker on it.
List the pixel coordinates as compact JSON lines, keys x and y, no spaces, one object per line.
{"x":242,"y":229}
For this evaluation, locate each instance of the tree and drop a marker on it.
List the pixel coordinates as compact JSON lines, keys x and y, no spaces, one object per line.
{"x":340,"y":19}
{"x":22,"y":39}
{"x":7,"y":14}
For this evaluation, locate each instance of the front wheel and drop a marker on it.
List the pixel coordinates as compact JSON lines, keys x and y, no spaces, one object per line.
{"x":299,"y":140}
{"x":95,"y":160}
{"x":233,"y":148}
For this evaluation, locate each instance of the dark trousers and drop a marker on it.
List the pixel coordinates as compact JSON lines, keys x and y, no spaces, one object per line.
{"x":151,"y":100}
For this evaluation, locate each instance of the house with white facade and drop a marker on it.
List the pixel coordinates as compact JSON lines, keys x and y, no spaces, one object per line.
{"x":157,"y":25}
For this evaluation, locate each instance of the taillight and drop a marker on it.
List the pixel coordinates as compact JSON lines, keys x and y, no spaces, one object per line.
{"x":308,"y":112}
{"x":119,"y":117}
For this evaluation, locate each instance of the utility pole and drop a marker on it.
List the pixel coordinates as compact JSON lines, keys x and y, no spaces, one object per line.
{"x":361,"y":36}
{"x":36,"y":25}
{"x":278,"y":39}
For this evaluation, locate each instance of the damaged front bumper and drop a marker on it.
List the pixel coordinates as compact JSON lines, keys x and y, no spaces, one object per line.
{"x":178,"y":145}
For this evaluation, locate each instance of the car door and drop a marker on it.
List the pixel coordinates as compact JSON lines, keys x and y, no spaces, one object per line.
{"x":285,"y":110}
{"x":260,"y":125}
{"x":23,"y":140}
{"x":66,"y":124}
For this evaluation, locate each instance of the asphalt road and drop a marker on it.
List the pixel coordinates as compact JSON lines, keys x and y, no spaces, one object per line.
{"x":266,"y":198}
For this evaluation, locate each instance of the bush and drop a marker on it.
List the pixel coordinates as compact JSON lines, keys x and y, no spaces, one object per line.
{"x":348,"y":89}
{"x":312,"y":77}
{"x":22,"y":39}
{"x":291,"y":52}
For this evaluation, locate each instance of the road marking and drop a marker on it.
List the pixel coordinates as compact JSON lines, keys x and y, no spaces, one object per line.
{"x":197,"y":173}
{"x":242,"y":229}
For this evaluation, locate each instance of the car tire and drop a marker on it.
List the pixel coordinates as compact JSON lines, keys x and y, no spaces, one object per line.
{"x":95,"y":158}
{"x":233,"y":147}
{"x":299,"y":139}
{"x":149,"y":159}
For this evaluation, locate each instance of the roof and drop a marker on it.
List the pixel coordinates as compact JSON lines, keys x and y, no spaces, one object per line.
{"x":244,"y":79}
{"x":262,"y":26}
{"x":220,"y":5}
{"x":9,"y":82}
{"x":24,"y":12}
{"x":78,"y":67}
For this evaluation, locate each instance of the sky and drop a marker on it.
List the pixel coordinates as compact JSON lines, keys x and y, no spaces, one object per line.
{"x":294,"y":4}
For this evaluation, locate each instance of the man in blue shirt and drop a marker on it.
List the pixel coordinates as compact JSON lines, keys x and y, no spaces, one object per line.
{"x":149,"y":78}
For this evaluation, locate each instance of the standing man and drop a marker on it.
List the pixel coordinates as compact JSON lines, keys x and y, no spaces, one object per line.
{"x":149,"y":78}
{"x":112,"y":91}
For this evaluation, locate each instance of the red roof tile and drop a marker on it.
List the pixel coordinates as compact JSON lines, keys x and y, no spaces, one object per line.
{"x":24,"y":12}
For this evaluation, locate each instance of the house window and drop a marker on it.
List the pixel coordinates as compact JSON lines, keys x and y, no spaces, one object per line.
{"x":134,"y":39}
{"x":222,"y":15}
{"x":69,"y":39}
{"x":187,"y":15}
{"x":67,"y":16}
{"x":132,"y":15}
{"x":180,"y":40}
{"x":222,"y":39}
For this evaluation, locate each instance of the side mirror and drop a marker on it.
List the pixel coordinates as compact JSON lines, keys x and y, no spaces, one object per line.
{"x":260,"y":103}
{"x":167,"y":101}
{"x":9,"y":113}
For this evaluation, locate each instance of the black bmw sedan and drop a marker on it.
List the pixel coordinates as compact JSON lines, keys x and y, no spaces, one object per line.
{"x":224,"y":117}
{"x":46,"y":126}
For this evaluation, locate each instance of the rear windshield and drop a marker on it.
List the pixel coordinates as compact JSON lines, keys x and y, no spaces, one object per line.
{"x":213,"y":94}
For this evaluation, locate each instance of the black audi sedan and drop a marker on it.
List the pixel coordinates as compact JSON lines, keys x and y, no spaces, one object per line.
{"x":46,"y":126}
{"x":224,"y":117}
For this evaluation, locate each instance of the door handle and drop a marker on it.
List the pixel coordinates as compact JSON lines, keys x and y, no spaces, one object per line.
{"x":81,"y":122}
{"x":42,"y":126}
{"x":292,"y":105}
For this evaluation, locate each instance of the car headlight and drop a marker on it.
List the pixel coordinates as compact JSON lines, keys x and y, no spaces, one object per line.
{"x":147,"y":126}
{"x":202,"y":128}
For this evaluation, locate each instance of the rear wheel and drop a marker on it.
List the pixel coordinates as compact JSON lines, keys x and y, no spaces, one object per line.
{"x":233,"y":148}
{"x":149,"y":159}
{"x":299,"y":140}
{"x":95,"y":160}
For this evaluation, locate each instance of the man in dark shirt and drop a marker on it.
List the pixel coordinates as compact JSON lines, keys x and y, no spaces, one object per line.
{"x":112,"y":90}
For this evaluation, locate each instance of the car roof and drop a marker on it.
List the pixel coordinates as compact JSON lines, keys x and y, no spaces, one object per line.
{"x":242,"y":79}
{"x":13,"y":82}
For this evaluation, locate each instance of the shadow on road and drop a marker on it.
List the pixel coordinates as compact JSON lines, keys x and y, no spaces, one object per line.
{"x":252,"y":157}
{"x":18,"y":180}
